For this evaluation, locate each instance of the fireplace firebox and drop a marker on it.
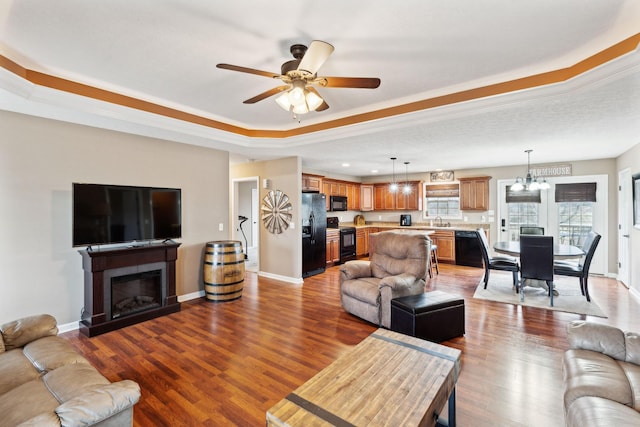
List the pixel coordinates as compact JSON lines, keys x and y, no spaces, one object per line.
{"x":127,"y":285}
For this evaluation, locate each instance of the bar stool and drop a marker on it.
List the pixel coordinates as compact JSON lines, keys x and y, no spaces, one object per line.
{"x":434,"y":259}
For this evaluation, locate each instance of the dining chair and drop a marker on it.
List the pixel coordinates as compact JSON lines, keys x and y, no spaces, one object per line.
{"x":536,"y":261}
{"x":529,"y":229}
{"x":581,"y":268}
{"x":499,"y":262}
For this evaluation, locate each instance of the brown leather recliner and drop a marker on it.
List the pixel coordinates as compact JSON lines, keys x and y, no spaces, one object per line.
{"x":601,"y":376}
{"x":396,"y":268}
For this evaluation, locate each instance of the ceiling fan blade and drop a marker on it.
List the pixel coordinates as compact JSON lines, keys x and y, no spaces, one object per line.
{"x":266,"y":94}
{"x":315,"y":56}
{"x":248,"y":70}
{"x":324,"y":104}
{"x":352,"y":82}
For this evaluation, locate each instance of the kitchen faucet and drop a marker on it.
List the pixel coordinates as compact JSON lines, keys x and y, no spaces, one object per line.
{"x":441,"y":224}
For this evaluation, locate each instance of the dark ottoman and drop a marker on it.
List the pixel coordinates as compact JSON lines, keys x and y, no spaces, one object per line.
{"x":434,"y":316}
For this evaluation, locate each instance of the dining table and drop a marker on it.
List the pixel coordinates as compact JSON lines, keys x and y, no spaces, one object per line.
{"x":560,"y":251}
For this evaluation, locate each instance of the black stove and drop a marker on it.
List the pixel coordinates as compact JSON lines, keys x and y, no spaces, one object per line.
{"x":347,"y":239}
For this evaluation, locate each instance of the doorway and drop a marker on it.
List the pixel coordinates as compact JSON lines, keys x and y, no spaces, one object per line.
{"x":624,"y":225}
{"x":245,"y":219}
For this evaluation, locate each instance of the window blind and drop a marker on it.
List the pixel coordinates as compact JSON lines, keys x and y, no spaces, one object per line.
{"x":576,"y":192}
{"x":442,"y":190}
{"x":523,"y":196}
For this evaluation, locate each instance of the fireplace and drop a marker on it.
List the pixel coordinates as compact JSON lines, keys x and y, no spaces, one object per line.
{"x":128,"y":285}
{"x":134,"y":292}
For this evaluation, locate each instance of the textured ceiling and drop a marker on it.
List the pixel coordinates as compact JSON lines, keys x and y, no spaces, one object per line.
{"x":165,"y":53}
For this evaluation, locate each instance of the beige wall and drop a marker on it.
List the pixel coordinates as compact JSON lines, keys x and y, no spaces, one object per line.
{"x":280,"y":254}
{"x":40,"y":271}
{"x":631,"y":160}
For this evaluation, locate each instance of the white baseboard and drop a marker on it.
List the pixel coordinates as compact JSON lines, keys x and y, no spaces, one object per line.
{"x":192,"y":295}
{"x":296,"y":281}
{"x":67,"y":327}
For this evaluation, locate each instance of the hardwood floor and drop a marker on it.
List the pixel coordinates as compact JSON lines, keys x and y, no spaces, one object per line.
{"x":216,"y":364}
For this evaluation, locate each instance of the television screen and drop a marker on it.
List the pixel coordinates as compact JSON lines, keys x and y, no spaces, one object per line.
{"x":104,"y":214}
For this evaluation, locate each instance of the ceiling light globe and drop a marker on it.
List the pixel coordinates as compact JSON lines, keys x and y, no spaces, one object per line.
{"x":313,"y":101}
{"x":283,"y":101}
{"x":517,"y":186}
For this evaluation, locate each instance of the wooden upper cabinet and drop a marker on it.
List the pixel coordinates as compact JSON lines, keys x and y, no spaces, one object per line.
{"x":474,"y":193}
{"x":351,"y":190}
{"x":386,"y":200}
{"x":411,"y":201}
{"x":366,"y":197}
{"x":311,"y":182}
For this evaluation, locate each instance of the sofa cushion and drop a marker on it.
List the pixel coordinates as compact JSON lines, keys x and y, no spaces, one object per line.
{"x":595,"y":411}
{"x":70,"y":381}
{"x":596,"y":337}
{"x":633,"y":347}
{"x":398,"y":253}
{"x":20,"y":332}
{"x":632,"y":371}
{"x":365,"y":289}
{"x":15,"y":369}
{"x":50,"y":353}
{"x":589,"y":373}
{"x":25,"y":402}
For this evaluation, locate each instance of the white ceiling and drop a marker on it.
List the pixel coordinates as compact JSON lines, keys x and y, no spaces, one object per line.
{"x":165,"y":52}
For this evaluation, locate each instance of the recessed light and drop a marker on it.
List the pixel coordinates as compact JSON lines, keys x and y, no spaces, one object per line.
{"x":374,"y":170}
{"x":345,"y":165}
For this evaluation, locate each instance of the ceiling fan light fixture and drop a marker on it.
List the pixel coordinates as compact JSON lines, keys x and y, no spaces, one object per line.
{"x":299,"y":99}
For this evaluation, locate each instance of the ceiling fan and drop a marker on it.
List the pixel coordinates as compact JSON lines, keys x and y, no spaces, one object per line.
{"x":299,"y":75}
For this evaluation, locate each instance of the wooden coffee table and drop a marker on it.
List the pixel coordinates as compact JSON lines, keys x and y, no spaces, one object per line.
{"x":389,"y":379}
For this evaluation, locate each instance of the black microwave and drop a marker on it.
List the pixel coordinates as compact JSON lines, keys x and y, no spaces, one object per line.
{"x":337,"y":203}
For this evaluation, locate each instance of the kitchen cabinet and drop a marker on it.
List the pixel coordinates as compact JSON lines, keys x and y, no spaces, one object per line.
{"x":386,"y":200}
{"x":353,"y":196}
{"x":446,"y":241}
{"x":362,"y":242}
{"x":351,"y":190}
{"x":411,"y":201}
{"x":333,"y":246}
{"x":312,"y":183}
{"x":474,"y":193}
{"x":366,"y":197}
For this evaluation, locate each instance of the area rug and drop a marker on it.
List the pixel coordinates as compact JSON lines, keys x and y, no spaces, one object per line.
{"x":568,"y":297}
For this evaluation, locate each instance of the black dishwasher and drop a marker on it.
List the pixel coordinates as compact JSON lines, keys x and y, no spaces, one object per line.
{"x":468,"y":249}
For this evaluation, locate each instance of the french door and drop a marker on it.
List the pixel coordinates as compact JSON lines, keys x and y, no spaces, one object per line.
{"x":568,"y":222}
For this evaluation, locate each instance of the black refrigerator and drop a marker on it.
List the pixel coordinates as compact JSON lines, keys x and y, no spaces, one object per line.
{"x":314,"y":233}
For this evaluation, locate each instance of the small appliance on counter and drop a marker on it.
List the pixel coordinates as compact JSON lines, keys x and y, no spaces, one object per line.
{"x":405,"y":220}
{"x":359,"y":220}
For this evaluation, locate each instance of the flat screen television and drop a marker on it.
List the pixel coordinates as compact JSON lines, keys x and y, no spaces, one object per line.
{"x":105,"y":214}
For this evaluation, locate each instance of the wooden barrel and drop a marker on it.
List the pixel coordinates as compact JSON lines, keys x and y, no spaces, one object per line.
{"x":223,"y":270}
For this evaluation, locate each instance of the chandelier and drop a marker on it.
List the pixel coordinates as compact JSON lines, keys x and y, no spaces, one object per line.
{"x":530,"y":183}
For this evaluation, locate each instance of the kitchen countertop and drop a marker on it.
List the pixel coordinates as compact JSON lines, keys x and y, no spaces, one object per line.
{"x":420,"y":226}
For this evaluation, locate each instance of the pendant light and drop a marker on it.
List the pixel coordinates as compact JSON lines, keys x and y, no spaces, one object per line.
{"x":530,"y":183}
{"x":393,"y":187}
{"x":407,"y":188}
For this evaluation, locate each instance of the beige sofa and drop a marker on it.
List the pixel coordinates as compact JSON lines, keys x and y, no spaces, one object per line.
{"x":601,"y":376}
{"x":396,"y":268}
{"x":44,"y":382}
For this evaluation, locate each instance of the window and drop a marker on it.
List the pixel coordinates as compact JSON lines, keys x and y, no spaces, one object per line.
{"x":442,"y":200}
{"x":521,"y":214}
{"x":575,"y":203}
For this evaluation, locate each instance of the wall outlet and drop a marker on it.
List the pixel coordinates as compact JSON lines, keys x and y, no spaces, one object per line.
{"x":221,"y":227}
{"x":292,"y":225}
{"x":379,"y":217}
